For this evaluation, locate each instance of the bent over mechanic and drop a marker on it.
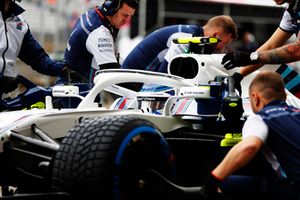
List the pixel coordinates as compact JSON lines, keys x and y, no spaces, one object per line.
{"x":91,"y":43}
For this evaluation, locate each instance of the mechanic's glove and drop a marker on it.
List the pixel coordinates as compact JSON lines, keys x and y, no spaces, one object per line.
{"x":8,"y":84}
{"x":210,"y":188}
{"x":237,"y":81}
{"x":236,"y":59}
{"x":72,"y":76}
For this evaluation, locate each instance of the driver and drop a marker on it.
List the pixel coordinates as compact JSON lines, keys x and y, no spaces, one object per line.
{"x":272,"y":51}
{"x":16,"y":41}
{"x":155,"y":51}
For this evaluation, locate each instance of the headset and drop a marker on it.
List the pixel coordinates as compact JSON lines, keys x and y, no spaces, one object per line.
{"x":110,"y":7}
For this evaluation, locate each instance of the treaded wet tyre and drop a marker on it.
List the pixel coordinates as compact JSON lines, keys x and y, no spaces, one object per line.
{"x":104,"y":158}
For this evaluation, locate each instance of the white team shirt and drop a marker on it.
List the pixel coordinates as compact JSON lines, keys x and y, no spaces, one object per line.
{"x":255,"y":126}
{"x":176,"y":49}
{"x":100,"y":44}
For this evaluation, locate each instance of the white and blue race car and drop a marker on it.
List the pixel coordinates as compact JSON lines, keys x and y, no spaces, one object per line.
{"x":120,"y":152}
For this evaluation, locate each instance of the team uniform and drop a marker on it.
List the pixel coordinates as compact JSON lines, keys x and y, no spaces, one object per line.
{"x":271,"y":125}
{"x":155,"y":51}
{"x":290,"y":23}
{"x":16,"y":41}
{"x":278,"y":126}
{"x":91,"y":44}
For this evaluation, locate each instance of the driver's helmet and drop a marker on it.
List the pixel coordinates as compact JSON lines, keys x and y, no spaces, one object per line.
{"x":152,"y":102}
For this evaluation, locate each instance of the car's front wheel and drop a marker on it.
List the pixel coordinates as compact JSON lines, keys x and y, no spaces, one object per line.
{"x":104,"y":158}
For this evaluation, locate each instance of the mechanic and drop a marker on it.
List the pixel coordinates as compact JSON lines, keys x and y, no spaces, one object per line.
{"x":273,"y":130}
{"x":272,"y":51}
{"x":155,"y":51}
{"x":17,"y":42}
{"x":91,"y":43}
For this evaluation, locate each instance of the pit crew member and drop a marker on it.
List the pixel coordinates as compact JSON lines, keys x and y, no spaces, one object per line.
{"x":91,"y":43}
{"x":272,"y":130}
{"x":16,"y":41}
{"x":155,"y":51}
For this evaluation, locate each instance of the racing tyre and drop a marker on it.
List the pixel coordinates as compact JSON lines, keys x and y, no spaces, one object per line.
{"x":104,"y":158}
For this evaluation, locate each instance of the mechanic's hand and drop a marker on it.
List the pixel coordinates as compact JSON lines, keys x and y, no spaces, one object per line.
{"x":72,"y":76}
{"x":210,"y":188}
{"x":8,"y":84}
{"x":236,"y":59}
{"x":237,"y":82}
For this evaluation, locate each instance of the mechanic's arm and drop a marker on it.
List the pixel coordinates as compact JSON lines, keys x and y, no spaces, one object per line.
{"x":287,"y":53}
{"x":278,"y":38}
{"x":100,"y":44}
{"x":255,"y":133}
{"x":240,"y":155}
{"x":34,"y":55}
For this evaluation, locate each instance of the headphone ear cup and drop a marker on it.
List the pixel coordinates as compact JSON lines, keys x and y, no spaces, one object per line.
{"x":109,"y":7}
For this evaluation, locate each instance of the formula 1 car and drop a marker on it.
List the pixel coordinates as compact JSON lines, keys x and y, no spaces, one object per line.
{"x":38,"y":154}
{"x":142,"y":147}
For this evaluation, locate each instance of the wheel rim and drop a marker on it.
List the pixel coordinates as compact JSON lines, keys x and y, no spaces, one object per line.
{"x":139,"y":136}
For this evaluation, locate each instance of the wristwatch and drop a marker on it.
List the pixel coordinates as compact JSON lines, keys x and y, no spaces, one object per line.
{"x":254,"y":56}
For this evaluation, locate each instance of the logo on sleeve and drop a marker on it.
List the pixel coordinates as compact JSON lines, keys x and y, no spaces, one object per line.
{"x":105,"y":45}
{"x":19,"y":23}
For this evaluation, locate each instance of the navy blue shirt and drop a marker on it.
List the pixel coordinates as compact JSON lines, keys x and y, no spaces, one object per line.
{"x":149,"y":53}
{"x":283,"y":138}
{"x":91,"y":44}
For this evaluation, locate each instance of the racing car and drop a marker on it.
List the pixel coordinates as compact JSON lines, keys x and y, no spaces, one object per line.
{"x":142,"y":147}
{"x":36,"y":144}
